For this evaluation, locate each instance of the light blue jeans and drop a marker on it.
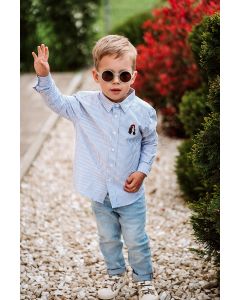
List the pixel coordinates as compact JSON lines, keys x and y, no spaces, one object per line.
{"x":128,"y":221}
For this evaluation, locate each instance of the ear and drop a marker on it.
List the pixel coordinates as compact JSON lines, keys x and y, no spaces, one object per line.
{"x":95,"y":75}
{"x":134,"y":77}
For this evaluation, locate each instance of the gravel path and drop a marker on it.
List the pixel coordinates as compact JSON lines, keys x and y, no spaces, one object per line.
{"x":60,"y":257}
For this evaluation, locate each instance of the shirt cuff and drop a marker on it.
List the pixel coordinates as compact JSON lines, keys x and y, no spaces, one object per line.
{"x":43,"y":81}
{"x":144,"y":168}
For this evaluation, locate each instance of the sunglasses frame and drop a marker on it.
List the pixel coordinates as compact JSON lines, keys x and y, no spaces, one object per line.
{"x":116,"y":74}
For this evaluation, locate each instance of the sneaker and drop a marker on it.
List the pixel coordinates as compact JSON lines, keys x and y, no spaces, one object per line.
{"x":146,"y":291}
{"x":112,"y":286}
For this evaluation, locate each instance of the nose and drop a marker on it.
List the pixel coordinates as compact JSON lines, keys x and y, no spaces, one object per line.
{"x":115,"y":79}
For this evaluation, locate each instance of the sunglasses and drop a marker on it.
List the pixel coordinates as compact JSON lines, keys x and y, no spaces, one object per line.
{"x":123,"y":76}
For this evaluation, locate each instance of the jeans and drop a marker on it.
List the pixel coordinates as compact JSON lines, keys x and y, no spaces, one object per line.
{"x":128,"y":221}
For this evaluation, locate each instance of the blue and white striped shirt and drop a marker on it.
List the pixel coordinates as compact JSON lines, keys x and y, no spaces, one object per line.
{"x":113,"y":140}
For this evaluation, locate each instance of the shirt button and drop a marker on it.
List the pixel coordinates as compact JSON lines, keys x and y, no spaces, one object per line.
{"x":114,"y":132}
{"x":112,"y":149}
{"x":115,"y":116}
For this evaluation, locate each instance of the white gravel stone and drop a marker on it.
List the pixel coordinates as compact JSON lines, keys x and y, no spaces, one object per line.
{"x":60,"y":256}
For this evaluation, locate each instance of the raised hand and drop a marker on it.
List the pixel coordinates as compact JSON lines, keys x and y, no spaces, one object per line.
{"x":41,"y":65}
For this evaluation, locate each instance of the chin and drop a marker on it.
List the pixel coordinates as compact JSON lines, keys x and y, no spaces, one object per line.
{"x":115,"y":98}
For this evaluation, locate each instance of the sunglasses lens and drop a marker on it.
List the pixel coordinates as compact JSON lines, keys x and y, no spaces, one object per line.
{"x":125,"y":76}
{"x":107,"y":76}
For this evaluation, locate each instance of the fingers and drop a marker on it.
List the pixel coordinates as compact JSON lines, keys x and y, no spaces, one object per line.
{"x":129,"y":180}
{"x":46,"y":52}
{"x":34,"y":55}
{"x":42,"y":51}
{"x":131,"y":185}
{"x":39,"y":51}
{"x":131,"y":190}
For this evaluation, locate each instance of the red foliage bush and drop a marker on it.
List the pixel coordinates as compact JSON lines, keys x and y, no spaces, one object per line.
{"x":165,"y":63}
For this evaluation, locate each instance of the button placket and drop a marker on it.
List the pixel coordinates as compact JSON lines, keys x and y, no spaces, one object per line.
{"x":114,"y":138}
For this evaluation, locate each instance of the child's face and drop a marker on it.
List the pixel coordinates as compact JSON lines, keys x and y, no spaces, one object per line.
{"x":115,"y":90}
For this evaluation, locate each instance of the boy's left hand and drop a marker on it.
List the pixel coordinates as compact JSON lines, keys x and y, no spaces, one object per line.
{"x":134,"y":181}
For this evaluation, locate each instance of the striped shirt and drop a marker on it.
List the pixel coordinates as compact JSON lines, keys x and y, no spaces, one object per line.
{"x":113,"y":140}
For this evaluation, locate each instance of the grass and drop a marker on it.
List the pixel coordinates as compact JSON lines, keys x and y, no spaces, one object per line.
{"x":120,"y":11}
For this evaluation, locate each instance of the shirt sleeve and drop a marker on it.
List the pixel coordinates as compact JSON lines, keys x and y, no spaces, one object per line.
{"x":66,"y":106}
{"x":149,"y":144}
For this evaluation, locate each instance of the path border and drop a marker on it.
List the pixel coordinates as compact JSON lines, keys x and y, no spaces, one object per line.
{"x":35,"y":147}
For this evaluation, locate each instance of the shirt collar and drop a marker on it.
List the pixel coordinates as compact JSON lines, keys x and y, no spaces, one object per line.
{"x":124,"y":104}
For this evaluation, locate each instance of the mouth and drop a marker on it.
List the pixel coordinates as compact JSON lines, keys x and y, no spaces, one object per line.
{"x":115,"y":90}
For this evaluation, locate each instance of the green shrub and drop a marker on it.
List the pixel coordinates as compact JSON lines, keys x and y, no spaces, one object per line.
{"x":65,"y":27}
{"x":201,"y":183}
{"x":206,"y":222}
{"x":188,"y":177}
{"x":132,"y":28}
{"x":205,"y":43}
{"x":193,"y":108}
{"x":205,"y":150}
{"x":200,"y":115}
{"x":210,"y":50}
{"x":28,"y":35}
{"x":214,"y":94}
{"x":195,"y":41}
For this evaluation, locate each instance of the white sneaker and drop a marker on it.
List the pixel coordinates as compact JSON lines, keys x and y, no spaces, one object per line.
{"x":112,"y":286}
{"x":146,"y":291}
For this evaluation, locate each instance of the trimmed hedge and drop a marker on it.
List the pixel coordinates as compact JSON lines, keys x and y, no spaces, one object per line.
{"x":199,"y":157}
{"x":189,"y":178}
{"x":214,"y":94}
{"x":205,"y":151}
{"x":208,"y":235}
{"x":193,"y":108}
{"x":206,"y":46}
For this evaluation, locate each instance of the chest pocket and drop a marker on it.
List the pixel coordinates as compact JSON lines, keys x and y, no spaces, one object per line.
{"x":133,"y":134}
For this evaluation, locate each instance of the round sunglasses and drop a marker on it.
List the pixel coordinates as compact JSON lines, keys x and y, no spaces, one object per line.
{"x":123,"y":76}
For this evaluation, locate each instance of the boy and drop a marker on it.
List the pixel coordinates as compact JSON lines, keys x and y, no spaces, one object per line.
{"x":116,"y":143}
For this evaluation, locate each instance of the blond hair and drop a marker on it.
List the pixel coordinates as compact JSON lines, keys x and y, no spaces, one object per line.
{"x":113,"y":45}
